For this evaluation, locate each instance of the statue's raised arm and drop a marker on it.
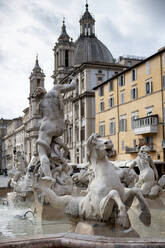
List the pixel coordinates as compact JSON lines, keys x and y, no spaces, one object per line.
{"x":63,"y":88}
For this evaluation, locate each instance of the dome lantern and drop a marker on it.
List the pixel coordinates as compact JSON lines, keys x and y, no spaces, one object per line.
{"x":87,"y":23}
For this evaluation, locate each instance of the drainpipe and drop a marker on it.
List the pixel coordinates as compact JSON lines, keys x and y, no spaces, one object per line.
{"x":162,"y":103}
{"x":118,"y":116}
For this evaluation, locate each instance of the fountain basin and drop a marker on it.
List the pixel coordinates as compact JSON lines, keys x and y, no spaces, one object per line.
{"x":64,"y":240}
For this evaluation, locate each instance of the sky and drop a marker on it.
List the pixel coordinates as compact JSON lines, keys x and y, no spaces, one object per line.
{"x":30,"y":27}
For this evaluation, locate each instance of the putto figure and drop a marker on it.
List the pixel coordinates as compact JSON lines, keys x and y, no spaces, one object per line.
{"x":52,"y":124}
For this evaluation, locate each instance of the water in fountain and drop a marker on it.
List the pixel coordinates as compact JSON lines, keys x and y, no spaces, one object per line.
{"x":15,"y":223}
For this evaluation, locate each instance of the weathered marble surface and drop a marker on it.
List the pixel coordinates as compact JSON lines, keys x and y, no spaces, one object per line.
{"x":64,"y":240}
{"x":161,"y":182}
{"x":105,"y":195}
{"x":51,"y":148}
{"x":148,"y":178}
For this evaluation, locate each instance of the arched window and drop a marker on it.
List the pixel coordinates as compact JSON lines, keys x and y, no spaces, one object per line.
{"x":66,"y":58}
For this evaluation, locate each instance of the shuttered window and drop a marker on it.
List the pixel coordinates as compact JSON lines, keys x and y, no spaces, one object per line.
{"x":134,"y":93}
{"x":112,"y":128}
{"x":121,"y":80}
{"x":148,"y":87}
{"x":123,"y":125}
{"x":102,"y":130}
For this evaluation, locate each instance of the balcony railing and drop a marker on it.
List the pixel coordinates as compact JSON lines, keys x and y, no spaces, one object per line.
{"x":137,"y":148}
{"x":148,"y":124}
{"x":131,"y":149}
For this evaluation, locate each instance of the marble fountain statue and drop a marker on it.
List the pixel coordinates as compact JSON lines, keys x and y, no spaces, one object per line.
{"x":113,"y":195}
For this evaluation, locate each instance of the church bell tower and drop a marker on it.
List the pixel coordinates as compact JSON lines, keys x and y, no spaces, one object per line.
{"x":63,"y":55}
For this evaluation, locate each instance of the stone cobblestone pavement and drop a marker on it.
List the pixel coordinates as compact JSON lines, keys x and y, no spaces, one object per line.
{"x":3,"y":181}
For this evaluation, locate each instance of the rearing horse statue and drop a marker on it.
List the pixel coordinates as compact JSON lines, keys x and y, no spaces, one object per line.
{"x":105,"y":192}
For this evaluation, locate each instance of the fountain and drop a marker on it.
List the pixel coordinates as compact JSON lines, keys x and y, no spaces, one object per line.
{"x":112,"y":206}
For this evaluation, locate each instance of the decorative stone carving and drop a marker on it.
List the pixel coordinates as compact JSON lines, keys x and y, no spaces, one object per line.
{"x":106,"y":195}
{"x":161,"y":182}
{"x":52,"y":127}
{"x":148,"y":177}
{"x":53,"y":164}
{"x":17,"y":171}
{"x":128,"y":177}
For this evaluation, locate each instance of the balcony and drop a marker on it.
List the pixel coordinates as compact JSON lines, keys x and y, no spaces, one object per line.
{"x":146,"y":125}
{"x":131,"y":149}
{"x":137,"y":148}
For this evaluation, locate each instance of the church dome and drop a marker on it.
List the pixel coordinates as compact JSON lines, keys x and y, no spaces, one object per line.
{"x":91,"y":49}
{"x":88,"y":48}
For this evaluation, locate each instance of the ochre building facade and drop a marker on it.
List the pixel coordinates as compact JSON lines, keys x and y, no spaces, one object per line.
{"x":130,"y":109}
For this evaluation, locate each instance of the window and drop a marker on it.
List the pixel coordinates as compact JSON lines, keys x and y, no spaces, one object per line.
{"x":147,"y":67}
{"x":134,"y":143}
{"x":99,"y":78}
{"x":82,"y":133}
{"x":149,"y":110}
{"x":76,"y":111}
{"x":134,"y":93}
{"x":133,"y":118}
{"x":164,"y":114}
{"x":122,"y":145}
{"x":101,"y":91}
{"x":82,"y":84}
{"x":112,"y":127}
{"x":110,"y":86}
{"x":66,"y":58}
{"x":101,"y":106}
{"x":111,"y":102}
{"x":163,"y":81}
{"x":70,"y":134}
{"x":129,"y":63}
{"x":99,"y":71}
{"x":148,"y":87}
{"x":38,"y":82}
{"x":149,"y":140}
{"x":82,"y":109}
{"x":121,"y":80}
{"x":122,"y":97}
{"x":77,"y":88}
{"x":83,"y":153}
{"x":89,"y":30}
{"x":102,"y":130}
{"x":77,"y":134}
{"x":123,"y":125}
{"x":164,"y":59}
{"x":133,"y":74}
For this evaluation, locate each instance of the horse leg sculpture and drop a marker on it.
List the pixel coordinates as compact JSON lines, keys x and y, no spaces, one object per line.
{"x":130,"y":194}
{"x":106,"y":207}
{"x":54,"y":200}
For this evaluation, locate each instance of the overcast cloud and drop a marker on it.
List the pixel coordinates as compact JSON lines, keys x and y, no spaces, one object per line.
{"x":28,"y":27}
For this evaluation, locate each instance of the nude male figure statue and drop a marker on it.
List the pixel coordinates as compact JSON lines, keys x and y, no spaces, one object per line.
{"x":52,"y":123}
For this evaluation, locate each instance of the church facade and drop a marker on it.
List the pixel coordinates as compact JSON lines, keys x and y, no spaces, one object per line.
{"x":91,"y":63}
